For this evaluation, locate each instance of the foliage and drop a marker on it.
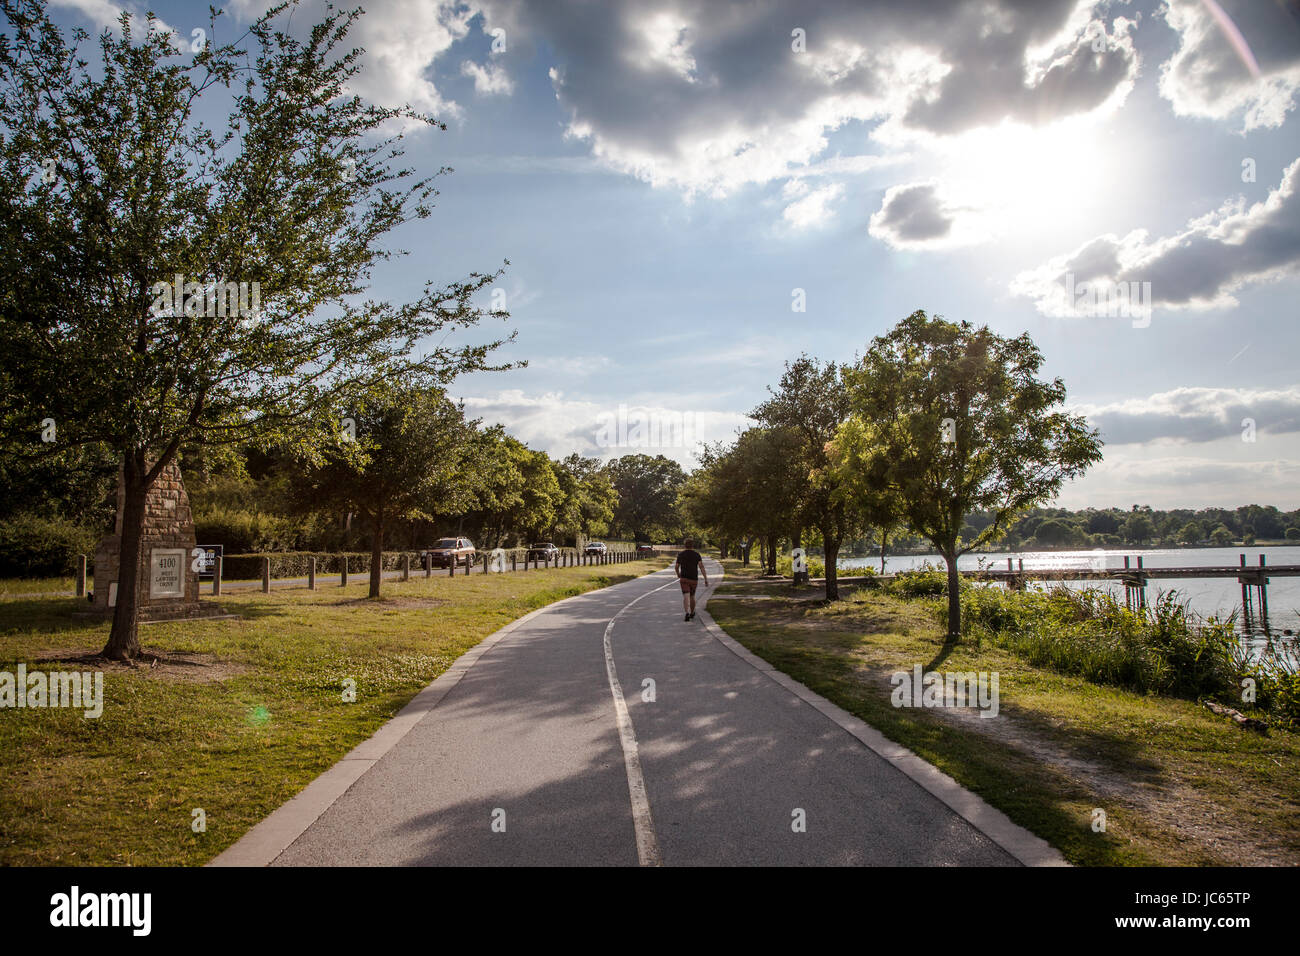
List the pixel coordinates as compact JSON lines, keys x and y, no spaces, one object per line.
{"x":294,"y":195}
{"x":35,"y":545}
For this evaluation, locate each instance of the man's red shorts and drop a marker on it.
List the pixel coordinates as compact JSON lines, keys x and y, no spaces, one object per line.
{"x":688,"y":585}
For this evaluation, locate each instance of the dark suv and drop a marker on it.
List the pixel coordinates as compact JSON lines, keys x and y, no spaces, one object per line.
{"x":452,"y":551}
{"x":543,"y":551}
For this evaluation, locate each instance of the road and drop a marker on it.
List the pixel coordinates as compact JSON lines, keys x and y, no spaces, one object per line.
{"x":521,"y":756}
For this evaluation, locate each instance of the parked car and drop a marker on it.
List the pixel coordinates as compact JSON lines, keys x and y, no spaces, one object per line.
{"x":645,"y":549}
{"x":595,"y":547}
{"x":543,"y":551}
{"x":452,"y":551}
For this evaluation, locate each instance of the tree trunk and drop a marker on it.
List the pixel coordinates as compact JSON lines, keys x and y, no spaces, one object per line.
{"x":884,"y":542}
{"x":376,"y":553}
{"x":954,"y":600}
{"x":771,"y":554}
{"x":124,"y":638}
{"x":832,"y":580}
{"x":744,"y":551}
{"x":762,"y":554}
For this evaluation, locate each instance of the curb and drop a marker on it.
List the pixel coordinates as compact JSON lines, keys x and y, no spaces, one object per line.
{"x":1028,"y":848}
{"x":275,"y":833}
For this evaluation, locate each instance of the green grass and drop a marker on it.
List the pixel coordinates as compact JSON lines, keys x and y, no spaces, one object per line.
{"x":1180,"y":786}
{"x":244,"y":716}
{"x":12,"y":586}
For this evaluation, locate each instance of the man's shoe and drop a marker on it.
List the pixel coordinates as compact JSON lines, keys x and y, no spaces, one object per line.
{"x":686,"y":618}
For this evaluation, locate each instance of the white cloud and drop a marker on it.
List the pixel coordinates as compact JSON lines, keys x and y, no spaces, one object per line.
{"x":1198,"y":267}
{"x":489,"y":80}
{"x":561,"y":425}
{"x":815,"y":208}
{"x":1197,"y":414}
{"x":1233,"y":59}
{"x":687,"y":98}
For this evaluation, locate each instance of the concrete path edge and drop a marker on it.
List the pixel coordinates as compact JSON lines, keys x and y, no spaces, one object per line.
{"x":274,"y":834}
{"x":1027,"y":847}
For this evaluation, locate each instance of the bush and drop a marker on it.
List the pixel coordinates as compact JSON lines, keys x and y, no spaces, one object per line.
{"x":246,"y":532}
{"x":33,"y":546}
{"x":785,"y":565}
{"x":926,"y":581}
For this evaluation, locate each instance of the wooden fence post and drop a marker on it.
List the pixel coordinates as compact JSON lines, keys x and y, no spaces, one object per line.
{"x":513,"y":559}
{"x":266,"y":575}
{"x":343,"y":572}
{"x":311,"y":573}
{"x":81,"y":575}
{"x":406,"y":566}
{"x":216,"y":575}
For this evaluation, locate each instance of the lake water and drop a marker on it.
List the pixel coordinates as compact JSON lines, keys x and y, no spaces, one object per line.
{"x":1206,"y":596}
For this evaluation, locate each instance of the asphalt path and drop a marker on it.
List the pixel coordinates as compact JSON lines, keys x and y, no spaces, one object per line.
{"x":528,"y":760}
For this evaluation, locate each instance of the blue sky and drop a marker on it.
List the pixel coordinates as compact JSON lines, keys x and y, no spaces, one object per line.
{"x":663,"y":176}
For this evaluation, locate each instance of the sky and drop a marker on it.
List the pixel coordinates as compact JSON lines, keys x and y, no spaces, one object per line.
{"x":690,"y":194}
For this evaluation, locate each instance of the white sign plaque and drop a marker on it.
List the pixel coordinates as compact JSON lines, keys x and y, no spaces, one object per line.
{"x":167,"y":572}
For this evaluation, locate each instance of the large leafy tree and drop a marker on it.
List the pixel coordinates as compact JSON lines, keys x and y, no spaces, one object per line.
{"x":647,"y":489}
{"x":414,"y":456}
{"x":111,"y":183}
{"x":953,"y":419}
{"x":587,"y":498}
{"x":811,"y":401}
{"x":749,"y":488}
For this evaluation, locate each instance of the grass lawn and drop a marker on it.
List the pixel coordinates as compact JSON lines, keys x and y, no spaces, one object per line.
{"x":238,"y":716}
{"x":11,"y":586}
{"x":1179,"y":785}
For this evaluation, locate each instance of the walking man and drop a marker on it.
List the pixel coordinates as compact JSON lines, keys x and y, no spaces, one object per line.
{"x":689,"y":567}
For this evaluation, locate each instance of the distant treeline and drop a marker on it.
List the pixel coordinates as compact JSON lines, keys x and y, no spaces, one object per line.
{"x":1138,"y":526}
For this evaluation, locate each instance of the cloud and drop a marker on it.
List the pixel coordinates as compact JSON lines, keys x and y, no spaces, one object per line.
{"x":489,"y":80}
{"x":815,"y":208}
{"x":912,"y":215}
{"x":1194,"y":415}
{"x":560,"y":426}
{"x":1244,"y":62}
{"x":683,"y":96}
{"x":1199,"y":267}
{"x":1184,"y":481}
{"x":403,"y":39}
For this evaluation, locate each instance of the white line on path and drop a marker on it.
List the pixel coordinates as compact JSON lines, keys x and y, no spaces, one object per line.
{"x":647,"y":845}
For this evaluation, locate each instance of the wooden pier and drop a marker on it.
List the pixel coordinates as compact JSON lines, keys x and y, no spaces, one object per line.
{"x":1253,"y":579}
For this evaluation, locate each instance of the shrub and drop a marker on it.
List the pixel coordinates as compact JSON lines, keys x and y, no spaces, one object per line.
{"x":35,"y":546}
{"x":925,"y":581}
{"x":816,"y":567}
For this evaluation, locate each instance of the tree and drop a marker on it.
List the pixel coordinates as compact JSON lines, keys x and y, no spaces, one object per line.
{"x":811,"y":402}
{"x":1054,"y":532}
{"x":1137,"y":528}
{"x":955,"y":420}
{"x":587,"y":498}
{"x":1221,"y":537}
{"x":1191,"y":533}
{"x":750,"y":488}
{"x":647,"y":490}
{"x":413,"y":457}
{"x":273,"y":226}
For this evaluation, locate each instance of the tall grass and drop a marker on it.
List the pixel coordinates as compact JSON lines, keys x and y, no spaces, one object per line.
{"x":1164,"y":648}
